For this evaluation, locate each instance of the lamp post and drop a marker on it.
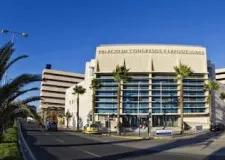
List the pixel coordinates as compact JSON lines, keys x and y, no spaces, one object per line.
{"x":23,"y":34}
{"x":5,"y":31}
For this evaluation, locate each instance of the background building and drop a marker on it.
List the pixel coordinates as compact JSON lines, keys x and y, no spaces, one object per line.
{"x":220,"y":75}
{"x":85,"y":99}
{"x":211,"y":70}
{"x":53,"y":88}
{"x":152,"y":89}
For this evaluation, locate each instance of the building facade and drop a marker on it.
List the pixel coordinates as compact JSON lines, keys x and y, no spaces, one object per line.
{"x":152,"y":89}
{"x":218,"y":110}
{"x":53,"y":88}
{"x":220,"y":75}
{"x":85,"y":99}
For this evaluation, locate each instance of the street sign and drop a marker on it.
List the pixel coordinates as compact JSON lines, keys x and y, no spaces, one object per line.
{"x":164,"y":132}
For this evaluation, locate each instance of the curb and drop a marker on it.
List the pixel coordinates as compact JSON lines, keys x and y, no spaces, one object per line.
{"x":24,"y":148}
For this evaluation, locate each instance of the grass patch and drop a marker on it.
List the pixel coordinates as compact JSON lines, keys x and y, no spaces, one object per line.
{"x":9,"y":148}
{"x":10,"y":136}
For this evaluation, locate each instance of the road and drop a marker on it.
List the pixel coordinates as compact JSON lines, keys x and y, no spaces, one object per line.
{"x":73,"y":146}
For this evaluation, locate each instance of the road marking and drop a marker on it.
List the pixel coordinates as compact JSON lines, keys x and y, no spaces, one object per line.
{"x":90,"y":153}
{"x":61,"y":141}
{"x":93,"y":154}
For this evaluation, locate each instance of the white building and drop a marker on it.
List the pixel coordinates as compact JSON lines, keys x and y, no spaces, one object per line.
{"x":218,"y":111}
{"x":85,"y":99}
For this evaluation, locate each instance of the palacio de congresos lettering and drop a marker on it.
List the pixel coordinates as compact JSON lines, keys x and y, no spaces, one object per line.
{"x":169,"y":51}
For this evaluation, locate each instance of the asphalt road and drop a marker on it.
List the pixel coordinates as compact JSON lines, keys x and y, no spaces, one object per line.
{"x":63,"y":145}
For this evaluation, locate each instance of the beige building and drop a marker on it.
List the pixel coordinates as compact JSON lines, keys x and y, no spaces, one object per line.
{"x":220,"y":75}
{"x":152,"y":89}
{"x":53,"y":88}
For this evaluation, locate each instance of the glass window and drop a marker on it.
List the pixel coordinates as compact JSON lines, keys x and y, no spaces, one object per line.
{"x":135,"y":111}
{"x":106,"y":105}
{"x":105,"y":99}
{"x":164,"y":110}
{"x":194,"y":110}
{"x":135,"y":105}
{"x":165,"y":121}
{"x":194,"y":104}
{"x":106,"y":110}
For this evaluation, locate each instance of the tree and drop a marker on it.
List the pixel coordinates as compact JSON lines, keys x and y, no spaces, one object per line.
{"x":182,"y":72}
{"x":95,"y":84}
{"x":78,"y":90}
{"x":68,"y":116}
{"x":120,"y":75}
{"x":210,"y":86}
{"x":12,"y":90}
{"x":222,"y":95}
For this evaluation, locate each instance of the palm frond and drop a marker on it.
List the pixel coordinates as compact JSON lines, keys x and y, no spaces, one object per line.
{"x":79,"y":90}
{"x":19,"y":93}
{"x":16,"y":84}
{"x":211,"y":86}
{"x":95,"y":84}
{"x":222,"y":95}
{"x":121,"y":74}
{"x":14,"y":61}
{"x":5,"y":54}
{"x":31,"y":99}
{"x":182,"y":71}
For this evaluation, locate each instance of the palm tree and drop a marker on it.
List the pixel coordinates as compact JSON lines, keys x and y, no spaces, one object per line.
{"x":12,"y":90}
{"x":120,"y":75}
{"x":182,"y":72}
{"x":78,"y":90}
{"x":68,"y":115}
{"x":222,"y":95}
{"x":95,"y":84}
{"x":210,"y":86}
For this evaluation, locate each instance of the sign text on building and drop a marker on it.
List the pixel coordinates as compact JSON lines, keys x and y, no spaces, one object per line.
{"x":170,"y":51}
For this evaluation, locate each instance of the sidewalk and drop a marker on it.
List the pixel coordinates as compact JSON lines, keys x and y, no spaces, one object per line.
{"x":126,"y":136}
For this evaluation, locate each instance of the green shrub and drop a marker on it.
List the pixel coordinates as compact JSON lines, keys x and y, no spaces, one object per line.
{"x":10,"y":135}
{"x":9,"y":149}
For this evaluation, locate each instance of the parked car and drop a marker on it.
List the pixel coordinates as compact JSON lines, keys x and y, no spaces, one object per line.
{"x":91,"y":129}
{"x":51,"y":126}
{"x":217,"y":127}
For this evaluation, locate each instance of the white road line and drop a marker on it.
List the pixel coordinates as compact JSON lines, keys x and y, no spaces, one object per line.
{"x":90,"y":153}
{"x":61,"y":141}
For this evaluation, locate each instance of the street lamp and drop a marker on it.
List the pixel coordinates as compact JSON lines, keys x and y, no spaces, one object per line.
{"x":5,"y":31}
{"x":23,"y":34}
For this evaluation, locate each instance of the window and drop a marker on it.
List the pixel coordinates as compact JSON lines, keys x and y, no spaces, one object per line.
{"x":165,"y":120}
{"x":135,"y":111}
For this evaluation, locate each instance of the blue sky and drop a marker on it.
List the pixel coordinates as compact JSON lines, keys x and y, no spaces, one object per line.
{"x":66,"y":33}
